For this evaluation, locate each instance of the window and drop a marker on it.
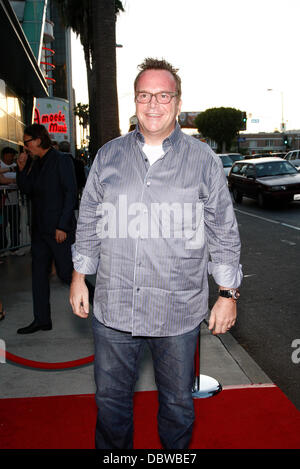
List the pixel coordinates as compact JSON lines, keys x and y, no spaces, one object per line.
{"x":274,"y":169}
{"x":239,"y":169}
{"x":236,"y":169}
{"x":294,"y":155}
{"x":250,"y":171}
{"x":244,"y":169}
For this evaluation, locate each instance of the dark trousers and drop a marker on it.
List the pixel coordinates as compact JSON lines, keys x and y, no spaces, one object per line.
{"x":11,"y":216}
{"x":116,"y":363}
{"x":44,"y":250}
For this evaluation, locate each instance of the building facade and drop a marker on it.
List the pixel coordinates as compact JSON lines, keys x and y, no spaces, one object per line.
{"x":264,"y":142}
{"x":30,"y":86}
{"x":21,"y":78}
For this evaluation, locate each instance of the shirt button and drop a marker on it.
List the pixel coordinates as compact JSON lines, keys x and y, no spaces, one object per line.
{"x":137,"y":290}
{"x":146,"y":159}
{"x":148,"y":183}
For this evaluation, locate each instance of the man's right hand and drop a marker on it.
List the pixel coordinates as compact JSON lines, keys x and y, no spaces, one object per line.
{"x":22,"y":160}
{"x":79,"y":295}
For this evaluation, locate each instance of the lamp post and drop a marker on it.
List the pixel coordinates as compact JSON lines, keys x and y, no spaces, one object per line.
{"x":282,"y":125}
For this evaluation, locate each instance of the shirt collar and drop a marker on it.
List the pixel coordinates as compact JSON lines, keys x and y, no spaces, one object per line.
{"x":172,"y":140}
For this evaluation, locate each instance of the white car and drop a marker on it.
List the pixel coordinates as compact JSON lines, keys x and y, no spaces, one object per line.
{"x":227,"y":162}
{"x":294,"y":158}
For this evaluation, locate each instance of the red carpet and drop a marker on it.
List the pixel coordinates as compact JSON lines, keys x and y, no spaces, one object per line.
{"x":255,"y":417}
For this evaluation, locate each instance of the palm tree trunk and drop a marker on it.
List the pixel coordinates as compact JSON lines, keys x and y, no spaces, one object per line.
{"x":104,"y":66}
{"x":92,"y":91}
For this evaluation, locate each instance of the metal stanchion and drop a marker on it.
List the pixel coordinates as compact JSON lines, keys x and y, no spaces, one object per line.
{"x":204,"y":386}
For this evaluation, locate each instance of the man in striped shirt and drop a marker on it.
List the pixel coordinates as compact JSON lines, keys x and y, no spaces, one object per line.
{"x":155,"y":217}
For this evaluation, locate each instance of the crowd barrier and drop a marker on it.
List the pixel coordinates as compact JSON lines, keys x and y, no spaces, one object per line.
{"x":14,"y":219}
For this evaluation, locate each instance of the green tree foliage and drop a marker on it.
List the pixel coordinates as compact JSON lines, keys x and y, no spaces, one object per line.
{"x":82,"y":112}
{"x":221,"y":125}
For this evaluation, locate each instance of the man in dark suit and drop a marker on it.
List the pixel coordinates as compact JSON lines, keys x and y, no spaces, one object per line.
{"x":65,"y":148}
{"x":50,"y":181}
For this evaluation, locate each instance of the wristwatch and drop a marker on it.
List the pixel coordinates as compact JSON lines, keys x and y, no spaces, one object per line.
{"x":234,"y":293}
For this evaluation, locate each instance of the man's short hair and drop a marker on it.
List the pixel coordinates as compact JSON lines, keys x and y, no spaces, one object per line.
{"x":159,"y":64}
{"x":39,"y":131}
{"x":64,"y":146}
{"x":6,"y":150}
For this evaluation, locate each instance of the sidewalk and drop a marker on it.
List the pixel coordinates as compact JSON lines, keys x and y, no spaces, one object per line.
{"x":46,"y":402}
{"x":71,"y":339}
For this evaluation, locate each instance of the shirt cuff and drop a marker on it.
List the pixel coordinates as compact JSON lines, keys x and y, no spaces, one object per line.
{"x":84,"y":264}
{"x":226,"y":275}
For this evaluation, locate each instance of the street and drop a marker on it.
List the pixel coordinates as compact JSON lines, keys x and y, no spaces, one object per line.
{"x":268,"y":310}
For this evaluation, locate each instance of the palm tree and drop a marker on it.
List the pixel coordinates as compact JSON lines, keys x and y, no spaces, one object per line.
{"x":94,"y":22}
{"x":82,"y":112}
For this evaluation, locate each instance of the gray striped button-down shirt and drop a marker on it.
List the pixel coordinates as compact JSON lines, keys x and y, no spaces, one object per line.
{"x":152,"y":233}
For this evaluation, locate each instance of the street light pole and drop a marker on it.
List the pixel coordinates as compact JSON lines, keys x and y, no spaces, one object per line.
{"x":282,"y":125}
{"x":282,"y":119}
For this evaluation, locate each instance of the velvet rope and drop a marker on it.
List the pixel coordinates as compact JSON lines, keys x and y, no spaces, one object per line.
{"x":46,"y":365}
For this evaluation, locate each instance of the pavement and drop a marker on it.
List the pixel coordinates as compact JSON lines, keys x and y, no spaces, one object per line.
{"x":221,"y":357}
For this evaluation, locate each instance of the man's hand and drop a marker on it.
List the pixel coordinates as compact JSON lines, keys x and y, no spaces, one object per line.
{"x":22,"y":160}
{"x":223,"y":316}
{"x":79,"y":295}
{"x":60,"y":236}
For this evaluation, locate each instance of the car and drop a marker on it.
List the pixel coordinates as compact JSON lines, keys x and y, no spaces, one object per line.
{"x":226,"y":161}
{"x":235,"y":156}
{"x":277,"y":155}
{"x":258,"y":155}
{"x":264,"y":179}
{"x":294,"y":158}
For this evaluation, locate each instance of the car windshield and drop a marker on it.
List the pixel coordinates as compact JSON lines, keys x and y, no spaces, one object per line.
{"x":236,"y":157}
{"x":274,"y":169}
{"x":227,"y":162}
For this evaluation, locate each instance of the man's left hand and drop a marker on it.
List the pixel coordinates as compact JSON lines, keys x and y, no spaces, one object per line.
{"x":60,"y":236}
{"x":223,"y":316}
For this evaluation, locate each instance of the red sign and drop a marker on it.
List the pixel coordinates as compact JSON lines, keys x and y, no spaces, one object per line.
{"x":56,"y":121}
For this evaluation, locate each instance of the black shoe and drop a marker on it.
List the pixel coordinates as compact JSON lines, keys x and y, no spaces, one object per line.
{"x":34,"y":327}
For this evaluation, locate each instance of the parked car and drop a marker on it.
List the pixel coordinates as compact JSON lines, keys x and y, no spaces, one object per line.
{"x":264,"y":179}
{"x":278,"y":155}
{"x":258,"y":155}
{"x":294,"y":158}
{"x":235,"y":156}
{"x":265,"y":155}
{"x":226,"y":161}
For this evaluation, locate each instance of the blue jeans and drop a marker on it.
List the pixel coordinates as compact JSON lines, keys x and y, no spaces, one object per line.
{"x":117,"y":357}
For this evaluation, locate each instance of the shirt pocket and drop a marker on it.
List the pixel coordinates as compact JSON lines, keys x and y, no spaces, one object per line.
{"x":193,"y":228}
{"x":189,"y":224}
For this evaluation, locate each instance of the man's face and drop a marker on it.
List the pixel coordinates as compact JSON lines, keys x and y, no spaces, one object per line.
{"x":8,"y":158}
{"x":32,"y":145}
{"x":157,"y":121}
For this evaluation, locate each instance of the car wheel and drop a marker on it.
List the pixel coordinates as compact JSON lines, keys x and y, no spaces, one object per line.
{"x":237,"y":196}
{"x":261,"y":200}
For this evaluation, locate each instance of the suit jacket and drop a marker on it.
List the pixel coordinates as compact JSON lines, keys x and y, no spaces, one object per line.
{"x":79,"y":171}
{"x":51,"y":184}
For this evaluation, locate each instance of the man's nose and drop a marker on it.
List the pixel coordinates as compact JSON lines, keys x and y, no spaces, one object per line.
{"x":153,"y":101}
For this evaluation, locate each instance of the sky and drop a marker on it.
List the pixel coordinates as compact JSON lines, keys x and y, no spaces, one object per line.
{"x":228,"y":52}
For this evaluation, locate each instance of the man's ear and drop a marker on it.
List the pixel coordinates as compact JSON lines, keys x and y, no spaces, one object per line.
{"x":179,"y":107}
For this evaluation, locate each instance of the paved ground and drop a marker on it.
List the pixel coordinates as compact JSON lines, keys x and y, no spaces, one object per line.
{"x":71,"y":338}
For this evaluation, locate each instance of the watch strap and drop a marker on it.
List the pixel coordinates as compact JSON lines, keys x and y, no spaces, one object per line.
{"x":231,"y":293}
